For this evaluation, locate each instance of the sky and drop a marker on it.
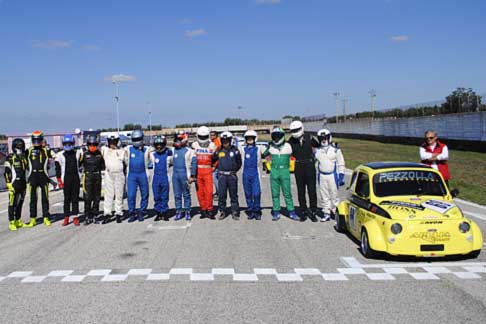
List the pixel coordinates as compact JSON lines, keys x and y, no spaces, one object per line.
{"x":196,"y":61}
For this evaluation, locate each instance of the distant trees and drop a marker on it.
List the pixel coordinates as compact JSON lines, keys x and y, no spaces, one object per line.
{"x":3,"y":137}
{"x":460,"y":100}
{"x":229,"y":122}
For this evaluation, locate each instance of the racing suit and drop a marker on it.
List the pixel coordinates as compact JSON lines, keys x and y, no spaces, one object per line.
{"x":114,"y":180}
{"x":305,"y":172}
{"x":202,"y":169}
{"x":67,"y":168}
{"x":160,"y":181}
{"x":229,"y":163}
{"x":15,"y":168}
{"x":280,"y":175}
{"x":180,"y":177}
{"x":251,"y":177}
{"x":93,"y":164}
{"x":217,"y":142}
{"x":137,"y":161}
{"x":38,"y":177}
{"x":330,"y":168}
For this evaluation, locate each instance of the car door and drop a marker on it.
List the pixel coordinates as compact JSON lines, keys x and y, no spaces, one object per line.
{"x":359,"y":203}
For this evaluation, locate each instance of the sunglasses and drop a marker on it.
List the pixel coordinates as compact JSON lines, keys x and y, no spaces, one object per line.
{"x":430,"y":137}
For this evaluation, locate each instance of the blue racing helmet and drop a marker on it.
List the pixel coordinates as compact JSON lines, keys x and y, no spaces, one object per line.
{"x":68,"y":142}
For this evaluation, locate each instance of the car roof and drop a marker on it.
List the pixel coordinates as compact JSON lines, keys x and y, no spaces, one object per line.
{"x":389,"y":165}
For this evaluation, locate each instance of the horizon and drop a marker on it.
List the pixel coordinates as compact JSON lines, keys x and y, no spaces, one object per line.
{"x":272,"y":58}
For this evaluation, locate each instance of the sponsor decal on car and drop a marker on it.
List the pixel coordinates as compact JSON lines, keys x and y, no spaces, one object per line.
{"x":431,"y":236}
{"x":406,"y":176}
{"x":402,"y":205}
{"x":438,"y":205}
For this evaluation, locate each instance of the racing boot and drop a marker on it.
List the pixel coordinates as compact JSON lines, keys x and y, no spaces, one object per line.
{"x":47,"y":221}
{"x":141,"y":218}
{"x":258,"y":216}
{"x":222,"y":215}
{"x":178,"y":215}
{"x":211,"y":215}
{"x":304,"y":215}
{"x":203,"y":214}
{"x":312,"y":216}
{"x":118,"y":219}
{"x":235,"y":216}
{"x":293,"y":216}
{"x":19,"y":224}
{"x":187,"y":215}
{"x":32,"y":223}
{"x":86,"y":220}
{"x":251,"y":215}
{"x":11,"y":226}
{"x":133,"y":217}
{"x":66,"y":221}
{"x":326,"y":218}
{"x":106,"y":219}
{"x":159,"y":217}
{"x":275,"y":215}
{"x":76,"y":221}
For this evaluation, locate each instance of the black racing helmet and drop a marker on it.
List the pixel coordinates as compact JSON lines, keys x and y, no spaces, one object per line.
{"x":160,"y":142}
{"x":92,"y":140}
{"x":18,"y":146}
{"x":37,"y":138}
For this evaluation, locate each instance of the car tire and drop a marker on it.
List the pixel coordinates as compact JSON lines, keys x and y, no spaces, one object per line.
{"x":366,"y":249}
{"x":474,"y":254}
{"x":340,"y":225}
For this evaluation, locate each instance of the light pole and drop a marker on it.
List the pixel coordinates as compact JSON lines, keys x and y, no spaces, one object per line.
{"x":150,"y":119}
{"x":117,"y":108}
{"x":344,"y":109}
{"x":373,"y":102}
{"x":239,"y":108}
{"x":336,"y":97}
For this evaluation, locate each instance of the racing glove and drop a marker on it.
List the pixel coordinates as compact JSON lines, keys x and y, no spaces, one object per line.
{"x":341,"y":180}
{"x":60,"y":184}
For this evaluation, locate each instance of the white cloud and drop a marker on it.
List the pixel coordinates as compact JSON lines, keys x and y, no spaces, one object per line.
{"x":51,"y":44}
{"x":185,"y":21}
{"x":268,"y":2}
{"x":195,"y":33}
{"x":399,"y":38}
{"x":91,"y":48}
{"x":119,"y":78}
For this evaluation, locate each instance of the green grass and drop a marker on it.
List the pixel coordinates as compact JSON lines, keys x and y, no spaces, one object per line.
{"x":468,"y":169}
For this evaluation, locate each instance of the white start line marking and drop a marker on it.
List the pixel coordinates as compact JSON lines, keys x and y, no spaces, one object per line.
{"x":389,"y":272}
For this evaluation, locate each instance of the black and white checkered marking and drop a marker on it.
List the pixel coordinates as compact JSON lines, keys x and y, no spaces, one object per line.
{"x":354,"y":269}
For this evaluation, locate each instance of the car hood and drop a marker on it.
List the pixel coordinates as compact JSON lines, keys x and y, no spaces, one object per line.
{"x":420,"y":208}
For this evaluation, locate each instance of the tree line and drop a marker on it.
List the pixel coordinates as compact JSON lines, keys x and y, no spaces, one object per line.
{"x":459,"y":101}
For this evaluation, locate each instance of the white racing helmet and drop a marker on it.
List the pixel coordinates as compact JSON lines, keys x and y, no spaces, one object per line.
{"x":251,"y":134}
{"x":278,"y":136}
{"x":113,"y":139}
{"x":297,"y":129}
{"x":324,"y":136}
{"x":226,"y":136}
{"x":202,"y":135}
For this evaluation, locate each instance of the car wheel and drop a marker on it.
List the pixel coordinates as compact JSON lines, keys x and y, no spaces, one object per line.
{"x":367,"y":251}
{"x":474,"y":254}
{"x":340,"y":226}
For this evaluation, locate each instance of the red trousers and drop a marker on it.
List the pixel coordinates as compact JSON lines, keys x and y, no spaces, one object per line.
{"x":205,"y":189}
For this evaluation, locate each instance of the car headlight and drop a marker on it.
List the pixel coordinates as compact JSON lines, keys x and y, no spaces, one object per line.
{"x":396,"y":228}
{"x":464,"y":227}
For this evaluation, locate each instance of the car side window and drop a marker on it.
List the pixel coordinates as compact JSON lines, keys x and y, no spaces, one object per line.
{"x":363,"y":185}
{"x":353,"y":177}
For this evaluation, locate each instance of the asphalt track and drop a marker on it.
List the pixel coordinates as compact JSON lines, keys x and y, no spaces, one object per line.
{"x":211,"y":271}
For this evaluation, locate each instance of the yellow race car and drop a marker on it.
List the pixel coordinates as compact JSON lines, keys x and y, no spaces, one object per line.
{"x":405,"y":209}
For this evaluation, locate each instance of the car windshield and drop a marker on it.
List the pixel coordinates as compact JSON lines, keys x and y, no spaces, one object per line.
{"x":408,"y":182}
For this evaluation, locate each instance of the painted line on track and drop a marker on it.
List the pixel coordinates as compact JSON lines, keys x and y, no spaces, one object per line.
{"x":476,"y":215}
{"x":354,"y":263}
